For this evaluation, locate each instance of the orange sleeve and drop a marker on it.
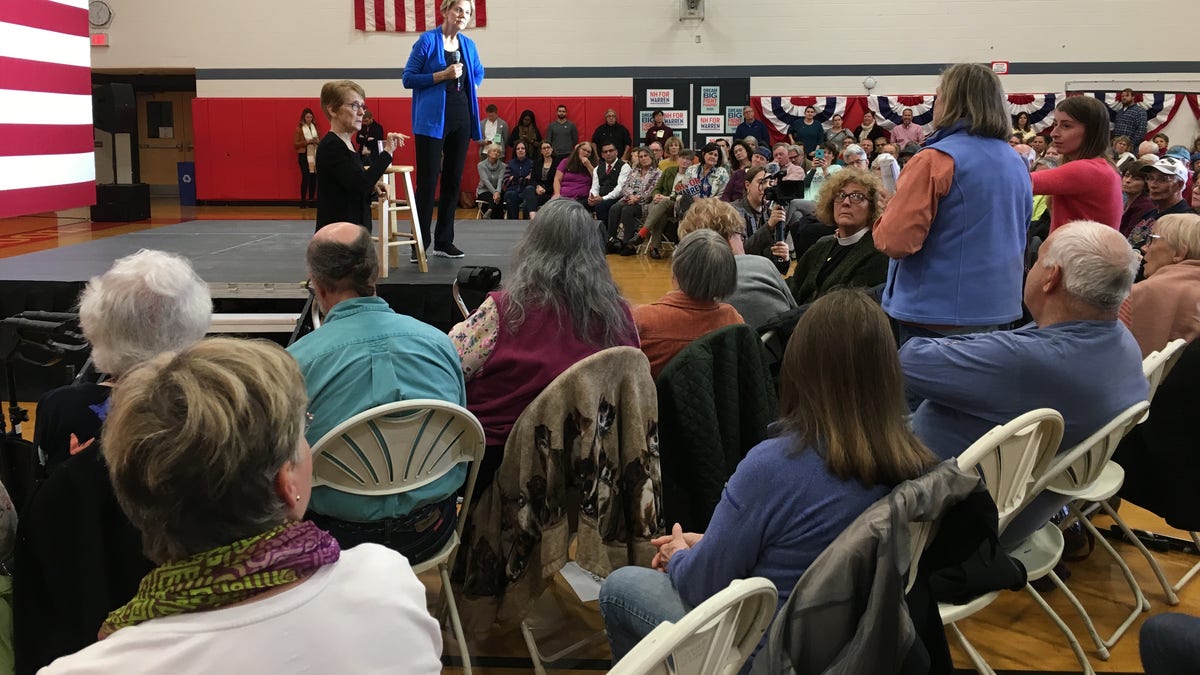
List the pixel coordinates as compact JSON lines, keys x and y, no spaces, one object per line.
{"x":298,"y":141}
{"x":902,"y":228}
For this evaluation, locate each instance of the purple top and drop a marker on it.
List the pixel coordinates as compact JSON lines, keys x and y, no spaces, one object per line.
{"x":574,"y":185}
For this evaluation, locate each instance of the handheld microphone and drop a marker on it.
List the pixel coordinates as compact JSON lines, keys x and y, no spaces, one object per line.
{"x":456,"y":57}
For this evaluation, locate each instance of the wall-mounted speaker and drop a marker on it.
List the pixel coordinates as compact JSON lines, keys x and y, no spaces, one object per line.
{"x":114,"y":108}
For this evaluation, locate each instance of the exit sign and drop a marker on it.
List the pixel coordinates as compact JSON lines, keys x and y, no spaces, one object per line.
{"x":1000,"y":67}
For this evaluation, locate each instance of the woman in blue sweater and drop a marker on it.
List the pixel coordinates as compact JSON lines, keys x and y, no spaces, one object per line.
{"x":443,"y":72}
{"x":843,"y":442}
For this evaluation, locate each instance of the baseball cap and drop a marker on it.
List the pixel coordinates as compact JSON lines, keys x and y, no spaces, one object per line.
{"x":764,"y":152}
{"x":1172,"y":166}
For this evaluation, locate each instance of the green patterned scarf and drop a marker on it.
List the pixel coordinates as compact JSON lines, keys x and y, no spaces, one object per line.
{"x":228,"y":574}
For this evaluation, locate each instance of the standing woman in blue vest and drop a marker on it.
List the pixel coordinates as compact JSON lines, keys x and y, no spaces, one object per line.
{"x":443,"y":72}
{"x":955,"y":229}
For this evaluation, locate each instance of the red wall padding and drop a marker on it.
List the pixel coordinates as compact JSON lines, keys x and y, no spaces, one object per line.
{"x":244,"y":146}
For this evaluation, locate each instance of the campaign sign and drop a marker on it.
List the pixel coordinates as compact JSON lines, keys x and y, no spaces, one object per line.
{"x":710,"y":124}
{"x":663,"y":98}
{"x":645,"y":120}
{"x":733,"y":117}
{"x":710,"y":100}
{"x":675,"y":119}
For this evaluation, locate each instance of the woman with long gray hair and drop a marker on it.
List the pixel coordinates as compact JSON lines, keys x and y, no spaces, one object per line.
{"x":559,"y":306}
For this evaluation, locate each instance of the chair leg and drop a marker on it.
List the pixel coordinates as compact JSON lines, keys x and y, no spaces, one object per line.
{"x":977,"y":661}
{"x":455,"y":621}
{"x":1172,"y":598}
{"x":1141,"y":604}
{"x":1195,"y":568}
{"x":531,"y":645}
{"x":1071,"y":639}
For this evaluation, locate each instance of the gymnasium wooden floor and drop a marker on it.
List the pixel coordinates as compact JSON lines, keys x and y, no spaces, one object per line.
{"x":1012,"y":634}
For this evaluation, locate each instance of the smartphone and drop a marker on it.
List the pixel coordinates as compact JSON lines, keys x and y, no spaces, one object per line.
{"x":819,"y":153}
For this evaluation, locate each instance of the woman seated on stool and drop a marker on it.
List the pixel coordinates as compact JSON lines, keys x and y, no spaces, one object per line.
{"x":573,"y":178}
{"x":703,"y":272}
{"x":559,"y":306}
{"x":793,"y":494}
{"x":207,"y":456}
{"x":491,"y":180}
{"x":849,"y":200}
{"x":518,"y":180}
{"x":1166,"y":305}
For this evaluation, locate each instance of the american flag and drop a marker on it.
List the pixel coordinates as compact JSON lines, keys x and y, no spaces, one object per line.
{"x":405,"y":16}
{"x":46,"y":138}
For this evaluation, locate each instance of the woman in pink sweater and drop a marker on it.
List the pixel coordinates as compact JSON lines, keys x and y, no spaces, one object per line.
{"x":1087,"y":186}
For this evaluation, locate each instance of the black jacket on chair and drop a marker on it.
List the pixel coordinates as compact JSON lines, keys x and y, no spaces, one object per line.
{"x":715,"y":401}
{"x":344,"y":190}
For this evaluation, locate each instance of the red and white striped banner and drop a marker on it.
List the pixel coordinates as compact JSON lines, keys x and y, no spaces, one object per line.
{"x":406,"y":16}
{"x":46,"y":141}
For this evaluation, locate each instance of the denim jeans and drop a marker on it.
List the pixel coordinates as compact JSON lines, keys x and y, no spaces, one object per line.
{"x":633,"y":600}
{"x":1170,"y":643}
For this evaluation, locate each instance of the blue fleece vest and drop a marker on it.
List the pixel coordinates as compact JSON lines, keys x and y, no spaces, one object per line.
{"x":969,"y":270}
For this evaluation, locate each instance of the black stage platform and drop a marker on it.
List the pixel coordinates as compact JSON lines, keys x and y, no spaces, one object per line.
{"x":252,"y":266}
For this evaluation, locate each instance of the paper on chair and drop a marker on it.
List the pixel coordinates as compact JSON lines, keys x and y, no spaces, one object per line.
{"x":585,"y":584}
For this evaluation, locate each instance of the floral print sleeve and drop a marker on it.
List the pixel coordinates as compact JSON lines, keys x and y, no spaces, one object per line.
{"x":475,"y":338}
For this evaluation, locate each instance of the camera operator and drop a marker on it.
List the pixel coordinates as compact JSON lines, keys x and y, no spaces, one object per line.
{"x":763,"y":217}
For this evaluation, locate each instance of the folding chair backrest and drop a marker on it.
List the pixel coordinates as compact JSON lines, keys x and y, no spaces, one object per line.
{"x":1158,"y":364}
{"x":1077,"y":468}
{"x":715,"y":638}
{"x":1011,"y":456}
{"x":397,"y":447}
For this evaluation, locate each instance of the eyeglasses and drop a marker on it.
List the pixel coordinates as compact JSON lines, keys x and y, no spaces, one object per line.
{"x":357,"y":106}
{"x":855,"y":197}
{"x":308,"y":420}
{"x":1150,"y":239}
{"x":1158,"y":177}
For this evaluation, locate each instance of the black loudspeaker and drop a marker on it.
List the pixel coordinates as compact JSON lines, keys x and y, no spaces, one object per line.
{"x":121,"y":203}
{"x":114,"y":108}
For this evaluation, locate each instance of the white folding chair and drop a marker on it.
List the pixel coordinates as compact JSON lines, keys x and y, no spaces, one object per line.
{"x":390,"y":237}
{"x":397,"y":447}
{"x":1158,"y":364}
{"x":715,"y":638}
{"x":1086,"y":472}
{"x":1009,"y":458}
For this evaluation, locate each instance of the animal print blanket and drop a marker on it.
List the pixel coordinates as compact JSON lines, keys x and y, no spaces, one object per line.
{"x":588,"y":445}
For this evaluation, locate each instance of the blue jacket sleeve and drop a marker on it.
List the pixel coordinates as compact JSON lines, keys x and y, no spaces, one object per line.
{"x":415,"y":75}
{"x":731,"y":545}
{"x":962,"y":373}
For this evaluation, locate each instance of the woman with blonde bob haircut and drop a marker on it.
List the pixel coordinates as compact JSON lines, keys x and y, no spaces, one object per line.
{"x":761,"y":294}
{"x":955,"y":229}
{"x":1163,"y":307}
{"x":207,"y":456}
{"x":840,"y":361}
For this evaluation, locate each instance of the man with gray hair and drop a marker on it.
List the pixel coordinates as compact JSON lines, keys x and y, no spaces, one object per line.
{"x":365,"y":355}
{"x":1075,"y":357}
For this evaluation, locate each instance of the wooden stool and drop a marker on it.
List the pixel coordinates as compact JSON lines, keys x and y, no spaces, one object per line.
{"x":390,"y":236}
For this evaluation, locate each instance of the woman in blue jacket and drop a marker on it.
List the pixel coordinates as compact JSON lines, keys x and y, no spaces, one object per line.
{"x":443,"y":72}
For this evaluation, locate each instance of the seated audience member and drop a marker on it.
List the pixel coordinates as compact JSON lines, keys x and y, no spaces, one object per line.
{"x":77,"y":556}
{"x":208,"y":457}
{"x":1166,"y":305}
{"x":613,"y":132}
{"x":495,"y":130}
{"x":573,"y":177}
{"x":1161,"y":142}
{"x":670,"y":153}
{"x":656,"y":151}
{"x":1147,"y":148}
{"x":761,"y":294}
{"x":1039,"y":143}
{"x":751,"y":127}
{"x":1166,"y":179}
{"x":906,"y":153}
{"x":761,"y":156}
{"x":542,"y":180}
{"x":1135,"y":192}
{"x":869,"y":130}
{"x":608,"y":180}
{"x":634,"y":197}
{"x":543,"y":322}
{"x":1122,"y":145}
{"x":724,"y":145}
{"x":517,"y":180}
{"x":1085,"y":187}
{"x":760,"y":220}
{"x":1169,"y":644}
{"x":824,"y":165}
{"x":491,"y":182}
{"x":369,"y":137}
{"x":526,"y":130}
{"x":840,"y":361}
{"x":658,"y":132}
{"x":664,"y":200}
{"x":868,"y":147}
{"x":1076,"y":358}
{"x":850,"y":201}
{"x":703,"y":272}
{"x":705,"y":178}
{"x":741,"y":156}
{"x":782,"y":153}
{"x":854,"y":157}
{"x":363,"y":356}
